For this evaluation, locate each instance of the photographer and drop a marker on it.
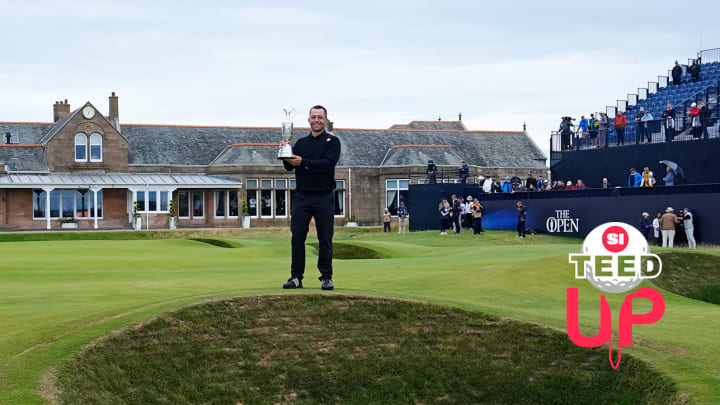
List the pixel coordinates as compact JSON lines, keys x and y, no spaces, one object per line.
{"x":430,"y":172}
{"x":566,"y":132}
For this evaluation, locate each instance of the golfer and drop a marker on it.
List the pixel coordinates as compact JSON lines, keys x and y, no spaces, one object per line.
{"x":314,"y":160}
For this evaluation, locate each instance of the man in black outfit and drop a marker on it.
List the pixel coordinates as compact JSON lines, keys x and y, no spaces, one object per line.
{"x":522,"y":217}
{"x":314,"y":160}
{"x":676,"y":74}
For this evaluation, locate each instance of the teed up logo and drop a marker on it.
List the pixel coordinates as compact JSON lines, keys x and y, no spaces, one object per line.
{"x":615,"y":259}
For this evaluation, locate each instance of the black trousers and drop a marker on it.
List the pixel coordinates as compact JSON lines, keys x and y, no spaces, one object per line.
{"x":621,"y":135}
{"x":445,"y":224}
{"x":456,"y":221}
{"x":477,"y":225}
{"x":521,"y":228}
{"x":305,"y":206}
{"x":386,"y":227}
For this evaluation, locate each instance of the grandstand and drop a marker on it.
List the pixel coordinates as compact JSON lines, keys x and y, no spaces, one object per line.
{"x":590,"y":162}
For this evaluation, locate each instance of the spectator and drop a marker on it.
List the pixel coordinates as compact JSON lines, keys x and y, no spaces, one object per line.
{"x":669,"y":178}
{"x":430,"y":172}
{"x":507,"y":185}
{"x":467,"y":213}
{"x":648,"y":180}
{"x":657,"y":228}
{"x":645,"y":129}
{"x":602,"y":129}
{"x":476,"y":209}
{"x":582,"y":131}
{"x":445,"y":210}
{"x":668,"y":117}
{"x":620,"y":124}
{"x":645,"y":225}
{"x":522,"y":217}
{"x":515,"y":180}
{"x":593,"y":128}
{"x":569,"y":186}
{"x":540,"y":185}
{"x":638,"y":117}
{"x":560,"y":185}
{"x":565,"y":132}
{"x":386,"y":221}
{"x":667,"y":223}
{"x":457,"y":209}
{"x":676,"y":74}
{"x":497,"y":188}
{"x":689,"y":228}
{"x":605,"y":183}
{"x":463,"y":172}
{"x":704,"y":118}
{"x":530,"y":181}
{"x":694,"y":70}
{"x":635,"y":179}
{"x":402,"y":214}
{"x":488,"y":184}
{"x":579,"y":185}
{"x":695,"y":124}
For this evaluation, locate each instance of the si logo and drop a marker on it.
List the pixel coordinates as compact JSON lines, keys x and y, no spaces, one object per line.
{"x":615,"y":259}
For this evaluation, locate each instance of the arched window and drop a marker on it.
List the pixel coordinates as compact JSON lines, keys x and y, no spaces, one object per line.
{"x":80,"y":147}
{"x":95,"y":147}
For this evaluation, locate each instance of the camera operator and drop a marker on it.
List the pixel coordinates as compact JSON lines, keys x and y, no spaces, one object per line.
{"x":430,"y":173}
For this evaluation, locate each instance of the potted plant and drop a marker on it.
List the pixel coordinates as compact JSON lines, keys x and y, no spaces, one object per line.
{"x":68,"y":223}
{"x":245,"y":215}
{"x":137,"y":219}
{"x":173,"y":219}
{"x":351,"y":222}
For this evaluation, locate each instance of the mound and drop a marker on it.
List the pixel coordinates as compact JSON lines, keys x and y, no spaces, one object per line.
{"x":214,"y":242}
{"x":692,"y":275}
{"x":346,"y":251}
{"x":309,"y":349}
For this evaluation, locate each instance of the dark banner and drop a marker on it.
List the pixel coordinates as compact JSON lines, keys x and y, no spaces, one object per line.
{"x":574,"y":213}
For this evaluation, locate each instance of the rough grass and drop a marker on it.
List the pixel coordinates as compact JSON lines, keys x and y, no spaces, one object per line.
{"x":693,"y":275}
{"x":315,"y":349}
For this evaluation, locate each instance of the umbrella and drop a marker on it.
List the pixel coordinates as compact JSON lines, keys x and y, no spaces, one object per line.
{"x":674,"y":166}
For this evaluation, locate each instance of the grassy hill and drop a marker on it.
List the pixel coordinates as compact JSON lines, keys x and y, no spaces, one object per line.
{"x":57,"y":296}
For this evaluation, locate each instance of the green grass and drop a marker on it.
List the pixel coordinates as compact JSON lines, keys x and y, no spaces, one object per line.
{"x":314,"y":349}
{"x":691,"y":275}
{"x":57,"y":296}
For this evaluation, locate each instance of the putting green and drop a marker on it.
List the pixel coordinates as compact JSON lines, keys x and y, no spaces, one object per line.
{"x":57,"y":296}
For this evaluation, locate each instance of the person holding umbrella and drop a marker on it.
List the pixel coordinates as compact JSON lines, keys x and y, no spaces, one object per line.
{"x":673,"y":170}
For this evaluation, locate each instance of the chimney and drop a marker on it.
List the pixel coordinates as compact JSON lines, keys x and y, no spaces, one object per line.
{"x":60,"y":109}
{"x":459,"y":116}
{"x":114,"y":112}
{"x":8,"y":137}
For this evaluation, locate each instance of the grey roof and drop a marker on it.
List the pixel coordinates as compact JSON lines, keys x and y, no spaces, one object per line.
{"x":29,"y":133}
{"x":19,"y":158}
{"x":433,"y":125}
{"x":121,"y":180}
{"x":203,"y":146}
{"x":58,"y":126}
{"x":419,"y":156}
{"x":250,"y":155}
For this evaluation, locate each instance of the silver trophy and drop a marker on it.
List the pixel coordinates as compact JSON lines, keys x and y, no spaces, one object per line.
{"x":287,"y":129}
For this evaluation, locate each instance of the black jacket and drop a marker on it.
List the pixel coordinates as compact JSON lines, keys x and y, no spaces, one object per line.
{"x":319,"y":154}
{"x":694,"y":70}
{"x":676,"y":72}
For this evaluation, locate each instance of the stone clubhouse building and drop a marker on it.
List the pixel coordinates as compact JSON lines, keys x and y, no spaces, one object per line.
{"x":88,"y":169}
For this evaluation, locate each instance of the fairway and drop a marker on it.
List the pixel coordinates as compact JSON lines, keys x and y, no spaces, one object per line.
{"x":58,"y":296}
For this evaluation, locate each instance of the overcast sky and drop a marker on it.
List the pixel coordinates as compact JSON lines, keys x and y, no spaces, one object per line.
{"x":372,"y":64}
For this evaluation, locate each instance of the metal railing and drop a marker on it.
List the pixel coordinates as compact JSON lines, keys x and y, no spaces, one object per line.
{"x":709,"y":55}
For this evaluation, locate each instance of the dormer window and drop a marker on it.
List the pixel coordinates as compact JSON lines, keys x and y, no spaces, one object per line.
{"x":95,"y":147}
{"x":81,"y":142}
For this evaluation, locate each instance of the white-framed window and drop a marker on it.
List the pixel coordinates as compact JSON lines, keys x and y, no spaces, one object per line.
{"x":266,"y":198}
{"x":78,"y":204}
{"x":233,"y":205}
{"x":183,"y":209}
{"x":281,"y":196}
{"x":152,"y":201}
{"x":396,"y":191}
{"x":251,"y":197}
{"x":81,"y":147}
{"x":220,"y":204}
{"x":96,"y":147}
{"x":340,"y":198}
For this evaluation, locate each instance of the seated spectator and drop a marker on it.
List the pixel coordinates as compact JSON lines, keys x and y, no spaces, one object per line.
{"x":569,"y":186}
{"x":605,"y":183}
{"x":635,"y":179}
{"x":579,"y":185}
{"x":559,"y":185}
{"x":463,"y":172}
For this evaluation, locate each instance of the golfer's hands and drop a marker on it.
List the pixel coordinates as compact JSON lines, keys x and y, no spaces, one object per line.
{"x":294,"y":160}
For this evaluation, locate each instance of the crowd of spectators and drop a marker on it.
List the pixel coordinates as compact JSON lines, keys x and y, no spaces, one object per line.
{"x":661,"y":230}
